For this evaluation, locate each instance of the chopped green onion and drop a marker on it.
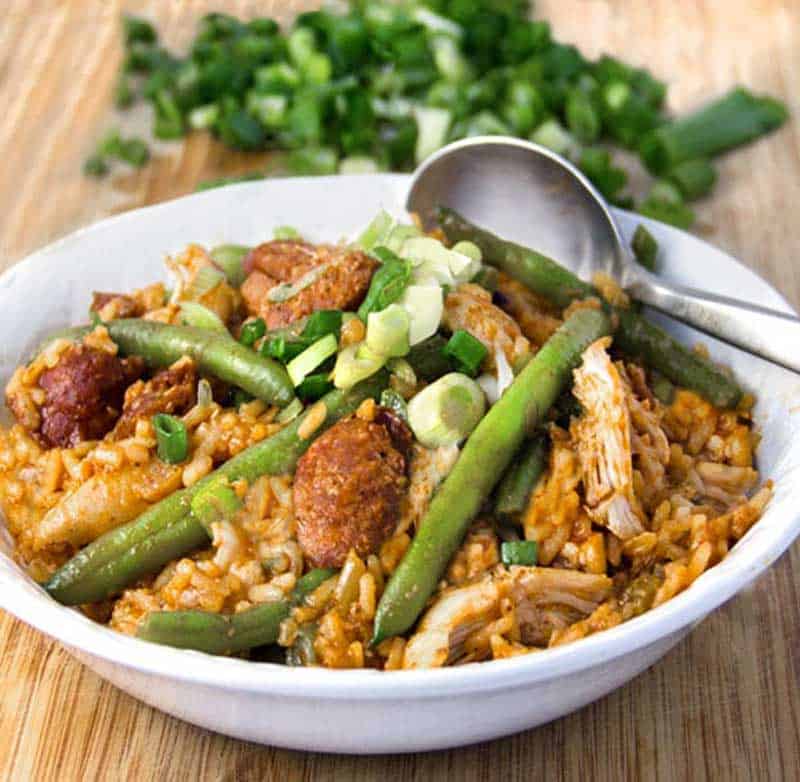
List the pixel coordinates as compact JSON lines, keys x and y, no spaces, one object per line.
{"x":95,"y":165}
{"x":376,"y":232}
{"x":388,"y":282}
{"x":354,"y":364}
{"x":311,"y":358}
{"x":358,"y":164}
{"x":645,"y":248}
{"x":388,"y":331}
{"x":216,"y":502}
{"x":283,"y":349}
{"x":469,"y":249}
{"x":446,"y":411}
{"x":665,"y":203}
{"x":252,"y":331}
{"x":321,"y":323}
{"x":466,"y":352}
{"x":393,"y":401}
{"x":553,"y":135}
{"x":206,"y":279}
{"x":433,"y":125}
{"x":137,"y":30}
{"x":229,"y":258}
{"x":582,"y":116}
{"x":284,"y":232}
{"x":171,"y":437}
{"x":201,"y":317}
{"x":425,"y":307}
{"x":314,"y":387}
{"x":313,"y":161}
{"x":694,"y":178}
{"x":301,"y":44}
{"x":204,"y":117}
{"x":519,"y":552}
{"x":124,"y":94}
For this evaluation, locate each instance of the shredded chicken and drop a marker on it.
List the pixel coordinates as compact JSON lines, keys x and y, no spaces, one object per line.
{"x":427,"y":469}
{"x":603,"y":438}
{"x":545,"y":599}
{"x":453,"y":617}
{"x":104,"y":502}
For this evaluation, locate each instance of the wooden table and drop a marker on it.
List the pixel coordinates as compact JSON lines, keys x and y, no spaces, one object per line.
{"x":723,"y":705}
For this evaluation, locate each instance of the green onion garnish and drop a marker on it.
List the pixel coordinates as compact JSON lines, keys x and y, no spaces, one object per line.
{"x":321,"y":323}
{"x":252,"y":331}
{"x":645,"y":248}
{"x":519,"y":552}
{"x":172,"y":438}
{"x":201,"y":317}
{"x":286,"y":232}
{"x":311,"y":358}
{"x":229,"y":258}
{"x":314,"y":387}
{"x":466,"y":351}
{"x":284,"y":349}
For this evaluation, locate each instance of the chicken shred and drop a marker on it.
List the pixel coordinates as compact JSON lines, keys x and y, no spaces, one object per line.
{"x":603,"y":439}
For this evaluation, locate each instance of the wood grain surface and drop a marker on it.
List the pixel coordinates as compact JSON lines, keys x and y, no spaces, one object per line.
{"x":724,"y":705}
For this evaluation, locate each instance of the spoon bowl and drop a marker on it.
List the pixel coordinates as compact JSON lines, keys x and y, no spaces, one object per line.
{"x":532,"y":196}
{"x":525,"y":193}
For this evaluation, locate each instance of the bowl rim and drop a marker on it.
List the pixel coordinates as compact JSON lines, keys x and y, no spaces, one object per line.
{"x":31,"y":604}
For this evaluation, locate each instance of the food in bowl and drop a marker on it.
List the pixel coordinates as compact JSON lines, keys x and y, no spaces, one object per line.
{"x":410,"y":451}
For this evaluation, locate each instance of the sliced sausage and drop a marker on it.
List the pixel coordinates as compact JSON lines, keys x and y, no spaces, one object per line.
{"x":342,"y":282}
{"x":347,"y":490}
{"x":83,"y":394}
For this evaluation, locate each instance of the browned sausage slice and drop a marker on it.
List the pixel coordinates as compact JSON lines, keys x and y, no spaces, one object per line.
{"x":343,"y":279}
{"x":347,"y":491}
{"x":83,"y":394}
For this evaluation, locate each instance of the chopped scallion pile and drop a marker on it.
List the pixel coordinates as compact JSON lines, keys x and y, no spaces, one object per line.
{"x":377,"y":85}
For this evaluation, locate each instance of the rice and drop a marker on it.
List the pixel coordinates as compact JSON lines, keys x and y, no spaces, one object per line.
{"x":689,"y":485}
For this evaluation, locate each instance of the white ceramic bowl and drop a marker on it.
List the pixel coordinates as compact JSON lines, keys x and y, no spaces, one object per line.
{"x":368,"y":711}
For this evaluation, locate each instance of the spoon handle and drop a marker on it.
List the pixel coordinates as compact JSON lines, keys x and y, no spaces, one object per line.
{"x":768,"y":333}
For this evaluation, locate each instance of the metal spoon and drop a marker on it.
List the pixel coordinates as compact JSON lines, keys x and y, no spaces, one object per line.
{"x":531,"y":195}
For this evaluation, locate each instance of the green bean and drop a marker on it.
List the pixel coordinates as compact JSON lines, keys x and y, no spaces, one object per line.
{"x":485,"y":457}
{"x":641,"y":339}
{"x":169,"y":529}
{"x":633,"y":335}
{"x":217,"y":354}
{"x":518,"y":482}
{"x":227,"y":634}
{"x":645,"y":248}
